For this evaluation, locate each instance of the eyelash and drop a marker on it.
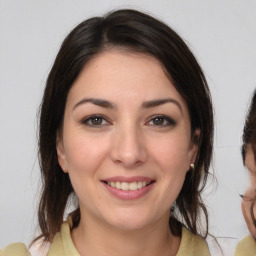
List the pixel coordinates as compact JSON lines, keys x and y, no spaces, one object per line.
{"x":166,"y":121}
{"x":93,"y":117}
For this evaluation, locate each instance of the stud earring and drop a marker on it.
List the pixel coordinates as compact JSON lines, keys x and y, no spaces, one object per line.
{"x":192,"y":167}
{"x":65,"y":168}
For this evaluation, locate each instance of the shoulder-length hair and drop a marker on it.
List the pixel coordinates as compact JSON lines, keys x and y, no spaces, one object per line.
{"x":131,"y":31}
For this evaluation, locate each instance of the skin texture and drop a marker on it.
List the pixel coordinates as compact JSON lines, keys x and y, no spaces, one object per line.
{"x":250,"y":193}
{"x":129,"y":139}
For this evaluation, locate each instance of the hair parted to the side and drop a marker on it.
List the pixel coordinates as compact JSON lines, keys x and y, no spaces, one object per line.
{"x":249,"y":139}
{"x":131,"y":31}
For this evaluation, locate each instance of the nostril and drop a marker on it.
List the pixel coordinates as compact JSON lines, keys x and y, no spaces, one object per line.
{"x":128,"y":151}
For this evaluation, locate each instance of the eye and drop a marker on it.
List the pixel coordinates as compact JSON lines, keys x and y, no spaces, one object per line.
{"x":161,"y":120}
{"x":95,"y":121}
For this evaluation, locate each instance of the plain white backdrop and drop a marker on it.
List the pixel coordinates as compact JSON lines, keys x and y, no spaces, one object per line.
{"x":222,"y":35}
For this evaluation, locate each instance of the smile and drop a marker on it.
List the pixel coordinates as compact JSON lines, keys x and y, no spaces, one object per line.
{"x":128,"y":188}
{"x":128,"y":185}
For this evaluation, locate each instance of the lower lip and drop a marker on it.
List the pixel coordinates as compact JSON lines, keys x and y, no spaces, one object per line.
{"x":129,"y":194}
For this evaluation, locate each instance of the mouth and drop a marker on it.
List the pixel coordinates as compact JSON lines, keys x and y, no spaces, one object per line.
{"x":128,"y":186}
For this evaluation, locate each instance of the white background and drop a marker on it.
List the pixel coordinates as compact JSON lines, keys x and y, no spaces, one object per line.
{"x":222,"y":34}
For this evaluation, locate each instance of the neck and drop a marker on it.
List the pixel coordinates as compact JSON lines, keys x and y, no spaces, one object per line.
{"x":92,"y":237}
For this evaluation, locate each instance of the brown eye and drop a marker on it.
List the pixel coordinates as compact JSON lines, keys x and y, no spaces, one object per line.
{"x":158,"y":121}
{"x":95,"y":121}
{"x":161,"y":121}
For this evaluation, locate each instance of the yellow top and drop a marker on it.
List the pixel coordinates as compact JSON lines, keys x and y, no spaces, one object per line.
{"x":62,"y":245}
{"x":246,"y":247}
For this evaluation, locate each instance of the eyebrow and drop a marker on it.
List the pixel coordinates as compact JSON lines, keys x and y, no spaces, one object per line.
{"x":111,"y":105}
{"x":155,"y":103}
{"x":98,"y":102}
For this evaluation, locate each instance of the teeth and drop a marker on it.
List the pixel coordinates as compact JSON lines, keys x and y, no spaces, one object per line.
{"x":125,"y":186}
{"x":133,"y":186}
{"x":128,"y":186}
{"x":118,"y":185}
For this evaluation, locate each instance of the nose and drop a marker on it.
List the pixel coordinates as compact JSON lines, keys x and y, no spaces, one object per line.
{"x":129,"y":147}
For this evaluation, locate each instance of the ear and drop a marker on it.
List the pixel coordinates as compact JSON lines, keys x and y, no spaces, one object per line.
{"x":61,"y":154}
{"x":193,"y":151}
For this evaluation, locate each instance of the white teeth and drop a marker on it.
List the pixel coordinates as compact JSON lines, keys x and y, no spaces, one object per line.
{"x":118,"y":185}
{"x":128,"y":186}
{"x":125,"y":186}
{"x":133,"y":186}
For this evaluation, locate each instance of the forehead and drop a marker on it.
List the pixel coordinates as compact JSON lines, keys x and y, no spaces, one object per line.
{"x":113,"y":72}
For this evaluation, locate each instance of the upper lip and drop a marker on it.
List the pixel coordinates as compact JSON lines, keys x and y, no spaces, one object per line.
{"x":128,"y":179}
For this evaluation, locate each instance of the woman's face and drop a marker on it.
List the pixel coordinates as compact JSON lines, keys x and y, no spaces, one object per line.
{"x":126,"y":140}
{"x":250,"y":194}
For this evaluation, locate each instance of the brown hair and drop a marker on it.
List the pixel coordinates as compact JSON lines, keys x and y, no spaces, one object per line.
{"x":249,"y":139}
{"x":132,"y":31}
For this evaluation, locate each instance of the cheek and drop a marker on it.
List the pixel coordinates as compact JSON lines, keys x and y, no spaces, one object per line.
{"x":84,"y":153}
{"x":172,"y":153}
{"x":172,"y":156}
{"x":253,"y":182}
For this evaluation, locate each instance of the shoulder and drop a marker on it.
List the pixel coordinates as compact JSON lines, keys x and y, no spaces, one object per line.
{"x":17,"y":249}
{"x":246,"y":247}
{"x":62,"y":243}
{"x":39,"y":248}
{"x":192,"y":245}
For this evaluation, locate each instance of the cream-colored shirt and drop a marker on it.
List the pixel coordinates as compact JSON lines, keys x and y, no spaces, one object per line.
{"x":62,"y":245}
{"x":246,"y":247}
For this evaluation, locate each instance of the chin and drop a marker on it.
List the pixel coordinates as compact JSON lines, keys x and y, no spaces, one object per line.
{"x":129,"y":221}
{"x":130,"y":225}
